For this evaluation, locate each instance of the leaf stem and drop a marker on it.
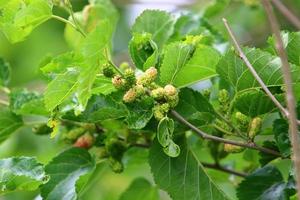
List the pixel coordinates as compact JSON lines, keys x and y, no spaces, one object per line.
{"x":253,"y":71}
{"x":290,"y":98}
{"x":287,"y":13}
{"x":70,"y":10}
{"x":204,"y":135}
{"x":4,"y":102}
{"x":5,"y":90}
{"x":223,"y":169}
{"x":68,"y":22}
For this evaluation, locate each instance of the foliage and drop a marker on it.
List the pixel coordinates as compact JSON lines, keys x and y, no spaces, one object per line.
{"x":100,"y":110}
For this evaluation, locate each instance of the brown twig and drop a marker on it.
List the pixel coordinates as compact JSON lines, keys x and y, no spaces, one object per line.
{"x":223,"y":169}
{"x":287,"y":13}
{"x":253,"y":71}
{"x":290,"y":98}
{"x":222,"y":140}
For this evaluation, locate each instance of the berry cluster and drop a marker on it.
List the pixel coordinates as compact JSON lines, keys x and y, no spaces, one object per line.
{"x":137,"y":88}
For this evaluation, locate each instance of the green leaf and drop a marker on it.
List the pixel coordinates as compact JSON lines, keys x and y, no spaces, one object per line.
{"x":194,"y":107}
{"x":158,"y":23}
{"x":103,"y":107}
{"x":23,"y":102}
{"x":265,"y":158}
{"x":264,"y":184}
{"x":291,"y":43}
{"x":61,"y":63}
{"x":232,"y":69}
{"x":165,"y":131}
{"x":102,"y":85}
{"x":93,"y":49}
{"x":21,"y":173}
{"x":200,"y":66}
{"x":61,"y":88}
{"x":281,"y":135}
{"x":216,"y":7}
{"x":9,"y":123}
{"x":176,"y":56}
{"x":254,"y":102}
{"x":64,"y":171}
{"x":19,"y":17}
{"x":5,"y":71}
{"x":143,"y":51}
{"x":182,"y":177}
{"x":140,"y":113}
{"x":140,"y":188}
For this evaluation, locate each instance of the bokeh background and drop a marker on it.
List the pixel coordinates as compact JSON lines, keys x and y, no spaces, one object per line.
{"x":248,"y":22}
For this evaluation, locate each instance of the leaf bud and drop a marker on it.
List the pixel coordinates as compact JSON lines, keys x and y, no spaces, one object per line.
{"x":86,"y":141}
{"x":255,"y":127}
{"x":130,"y":96}
{"x":230,"y":148}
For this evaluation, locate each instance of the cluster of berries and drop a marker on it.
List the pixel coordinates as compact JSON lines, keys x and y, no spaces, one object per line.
{"x":143,"y":86}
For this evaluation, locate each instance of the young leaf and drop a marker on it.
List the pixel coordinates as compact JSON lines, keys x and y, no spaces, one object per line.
{"x":140,"y":188}
{"x":232,"y":69}
{"x":4,"y":72}
{"x":165,"y":131}
{"x":21,"y":173}
{"x":61,"y":88}
{"x":182,"y":177}
{"x":158,"y":23}
{"x":18,"y":17}
{"x":64,"y":171}
{"x":281,"y":135}
{"x":9,"y":123}
{"x":264,"y":184}
{"x":172,"y":149}
{"x":254,"y":103}
{"x":143,"y":51}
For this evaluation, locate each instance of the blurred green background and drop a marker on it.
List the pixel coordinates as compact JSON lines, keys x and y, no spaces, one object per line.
{"x":248,"y":22}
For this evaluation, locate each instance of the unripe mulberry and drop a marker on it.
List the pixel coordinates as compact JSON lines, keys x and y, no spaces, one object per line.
{"x":242,"y":121}
{"x":170,"y":90}
{"x":86,"y":141}
{"x":158,"y":93}
{"x":230,"y":148}
{"x":108,"y":71}
{"x":255,"y":127}
{"x":129,"y":96}
{"x":74,"y":133}
{"x":151,"y":73}
{"x":140,"y":90}
{"x":172,"y":100}
{"x":129,"y":76}
{"x":116,"y":165}
{"x":159,"y":111}
{"x":118,"y":82}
